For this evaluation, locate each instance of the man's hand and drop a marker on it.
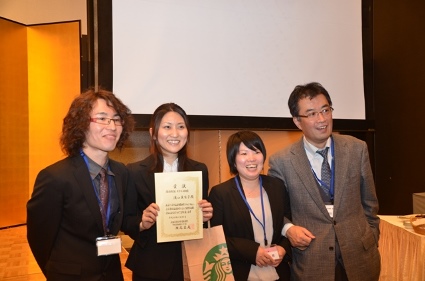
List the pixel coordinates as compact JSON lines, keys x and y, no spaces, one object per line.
{"x":299,"y":237}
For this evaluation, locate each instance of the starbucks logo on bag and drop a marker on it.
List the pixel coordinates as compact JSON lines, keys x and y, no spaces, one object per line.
{"x":217,"y":264}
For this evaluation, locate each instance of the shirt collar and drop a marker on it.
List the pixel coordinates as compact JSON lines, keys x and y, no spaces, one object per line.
{"x":311,"y":148}
{"x":94,"y":168}
{"x":171,"y":168}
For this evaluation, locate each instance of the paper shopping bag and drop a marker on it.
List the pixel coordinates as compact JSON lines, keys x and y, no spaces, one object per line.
{"x":207,"y":258}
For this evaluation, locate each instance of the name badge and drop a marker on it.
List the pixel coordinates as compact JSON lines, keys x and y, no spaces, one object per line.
{"x":108,"y":245}
{"x":330,"y":209}
{"x":272,"y":251}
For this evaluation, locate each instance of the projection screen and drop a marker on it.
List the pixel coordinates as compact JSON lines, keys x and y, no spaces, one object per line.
{"x":236,"y":57}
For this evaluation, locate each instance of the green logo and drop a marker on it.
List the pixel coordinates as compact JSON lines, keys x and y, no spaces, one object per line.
{"x":217,"y":264}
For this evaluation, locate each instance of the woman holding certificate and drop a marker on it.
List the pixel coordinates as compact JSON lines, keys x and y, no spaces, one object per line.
{"x":148,"y":259}
{"x":251,"y":208}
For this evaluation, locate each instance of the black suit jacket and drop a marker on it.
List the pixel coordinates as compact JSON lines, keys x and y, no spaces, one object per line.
{"x":148,"y":258}
{"x":64,"y":220}
{"x":231,"y":211}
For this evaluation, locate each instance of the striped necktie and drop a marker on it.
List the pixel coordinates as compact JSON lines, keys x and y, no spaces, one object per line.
{"x":104,"y":196}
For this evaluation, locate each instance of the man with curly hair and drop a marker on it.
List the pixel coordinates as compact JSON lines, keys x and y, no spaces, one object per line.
{"x":78,"y":201}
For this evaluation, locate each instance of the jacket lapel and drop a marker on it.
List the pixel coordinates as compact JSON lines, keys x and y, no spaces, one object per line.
{"x":150,"y":179}
{"x":119,"y":186}
{"x":275,"y":203}
{"x":342,"y":159}
{"x":302,"y":169}
{"x":242,"y":207}
{"x":85,"y":183}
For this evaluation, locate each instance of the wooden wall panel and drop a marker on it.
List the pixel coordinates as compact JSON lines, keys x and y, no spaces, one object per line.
{"x":398,"y":70}
{"x":53,"y":82}
{"x":209,"y":147}
{"x":14,"y":123}
{"x":39,"y":77}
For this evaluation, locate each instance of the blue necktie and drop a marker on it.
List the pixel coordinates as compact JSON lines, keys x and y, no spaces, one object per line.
{"x":326,"y":169}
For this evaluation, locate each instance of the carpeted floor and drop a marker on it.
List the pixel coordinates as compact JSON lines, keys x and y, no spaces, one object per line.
{"x":18,"y":264}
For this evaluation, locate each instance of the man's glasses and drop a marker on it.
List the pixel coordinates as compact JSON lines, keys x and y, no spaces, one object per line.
{"x":107,"y":121}
{"x":314,"y":114}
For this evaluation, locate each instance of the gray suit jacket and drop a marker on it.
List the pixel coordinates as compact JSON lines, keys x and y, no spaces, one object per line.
{"x":355,"y":225}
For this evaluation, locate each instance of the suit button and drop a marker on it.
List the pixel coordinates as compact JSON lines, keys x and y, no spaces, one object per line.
{"x":334,"y":222}
{"x":331,"y":248}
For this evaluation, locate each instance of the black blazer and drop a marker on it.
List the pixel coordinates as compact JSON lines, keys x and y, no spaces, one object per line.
{"x":231,"y":211}
{"x":148,"y":258}
{"x":64,"y":220}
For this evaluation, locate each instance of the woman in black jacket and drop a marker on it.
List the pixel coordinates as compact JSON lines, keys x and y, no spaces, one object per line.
{"x":148,"y":259}
{"x":251,"y":208}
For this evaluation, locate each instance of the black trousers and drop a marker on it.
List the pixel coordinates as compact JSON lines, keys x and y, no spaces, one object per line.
{"x":340,"y":274}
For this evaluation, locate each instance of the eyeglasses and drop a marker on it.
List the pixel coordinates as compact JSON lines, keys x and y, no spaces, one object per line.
{"x":314,"y":114}
{"x":107,"y":121}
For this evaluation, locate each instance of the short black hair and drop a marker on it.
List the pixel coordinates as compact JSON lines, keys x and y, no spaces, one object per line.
{"x":310,"y":91}
{"x":250,"y":140}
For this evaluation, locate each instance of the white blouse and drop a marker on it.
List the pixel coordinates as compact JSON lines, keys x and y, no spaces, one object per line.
{"x":267,"y":273}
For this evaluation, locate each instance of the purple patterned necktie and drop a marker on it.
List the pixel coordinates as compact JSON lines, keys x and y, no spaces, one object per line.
{"x":103,"y":195}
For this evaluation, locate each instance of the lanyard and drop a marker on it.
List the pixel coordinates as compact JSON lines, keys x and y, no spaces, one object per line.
{"x":105,"y":215}
{"x":263,"y":224}
{"x":329,"y":189}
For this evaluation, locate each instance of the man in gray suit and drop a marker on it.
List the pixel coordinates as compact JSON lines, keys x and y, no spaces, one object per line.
{"x":334,"y":227}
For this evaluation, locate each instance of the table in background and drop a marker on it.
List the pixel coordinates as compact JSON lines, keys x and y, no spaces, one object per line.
{"x":402,"y":251}
{"x":419,"y":203}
